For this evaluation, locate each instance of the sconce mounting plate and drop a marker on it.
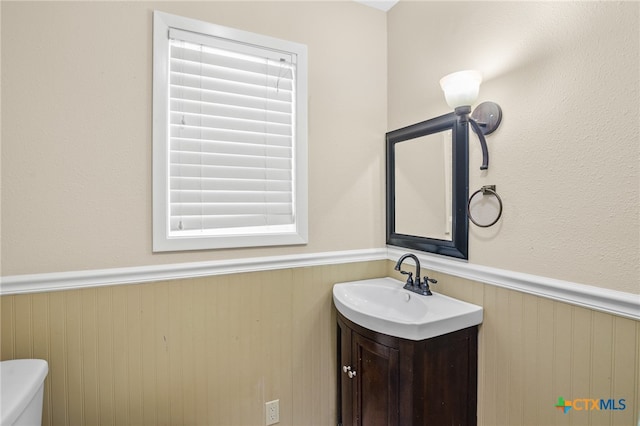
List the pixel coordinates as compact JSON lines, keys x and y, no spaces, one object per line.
{"x":488,"y":115}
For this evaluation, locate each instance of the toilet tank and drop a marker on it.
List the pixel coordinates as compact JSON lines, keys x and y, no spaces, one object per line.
{"x":21,"y":391}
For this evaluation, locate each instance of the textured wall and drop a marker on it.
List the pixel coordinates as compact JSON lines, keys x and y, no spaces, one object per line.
{"x":76,"y":133}
{"x":566,"y":157}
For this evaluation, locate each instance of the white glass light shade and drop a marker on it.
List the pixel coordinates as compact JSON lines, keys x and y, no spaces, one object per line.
{"x":461,"y":88}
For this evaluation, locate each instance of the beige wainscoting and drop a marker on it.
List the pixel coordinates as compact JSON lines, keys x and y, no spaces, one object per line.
{"x":533,"y":350}
{"x":211,"y":351}
{"x":207,"y":351}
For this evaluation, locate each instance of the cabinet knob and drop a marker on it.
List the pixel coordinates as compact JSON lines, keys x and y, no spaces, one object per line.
{"x":346,"y":368}
{"x":352,"y":374}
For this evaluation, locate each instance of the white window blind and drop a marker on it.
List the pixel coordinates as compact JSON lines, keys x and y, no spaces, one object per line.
{"x":232,"y":141}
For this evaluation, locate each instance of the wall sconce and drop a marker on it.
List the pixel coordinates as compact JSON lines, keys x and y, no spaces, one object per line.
{"x":461,"y":91}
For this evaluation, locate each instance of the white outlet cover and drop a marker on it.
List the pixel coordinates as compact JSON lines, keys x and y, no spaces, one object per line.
{"x":272,"y":412}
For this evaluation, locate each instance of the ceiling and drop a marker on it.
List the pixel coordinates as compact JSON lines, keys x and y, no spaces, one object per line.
{"x":384,"y":5}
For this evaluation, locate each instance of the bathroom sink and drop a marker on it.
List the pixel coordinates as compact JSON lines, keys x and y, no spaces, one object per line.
{"x":382,"y":305}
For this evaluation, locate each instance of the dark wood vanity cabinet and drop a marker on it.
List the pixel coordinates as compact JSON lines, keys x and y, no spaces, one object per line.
{"x":385,"y":380}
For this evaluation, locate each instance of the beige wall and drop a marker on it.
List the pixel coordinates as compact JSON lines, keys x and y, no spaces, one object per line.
{"x":566,"y":157}
{"x":76,"y":133}
{"x":76,"y":141}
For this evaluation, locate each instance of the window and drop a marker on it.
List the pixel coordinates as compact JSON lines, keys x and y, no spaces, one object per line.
{"x":229,"y":137}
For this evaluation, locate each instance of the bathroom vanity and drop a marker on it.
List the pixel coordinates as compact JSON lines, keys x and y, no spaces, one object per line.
{"x":404,"y":359}
{"x":386,"y":380}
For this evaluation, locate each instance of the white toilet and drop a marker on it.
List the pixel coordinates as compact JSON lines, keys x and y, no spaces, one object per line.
{"x":21,"y":391}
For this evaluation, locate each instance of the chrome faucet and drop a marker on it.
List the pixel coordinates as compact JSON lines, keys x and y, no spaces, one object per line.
{"x":415,"y":286}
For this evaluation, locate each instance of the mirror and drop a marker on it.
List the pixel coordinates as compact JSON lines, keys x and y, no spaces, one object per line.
{"x":428,"y":186}
{"x":424,"y":210}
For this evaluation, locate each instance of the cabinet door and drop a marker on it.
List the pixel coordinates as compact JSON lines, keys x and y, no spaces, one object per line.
{"x":376,"y":383}
{"x":345,"y":384}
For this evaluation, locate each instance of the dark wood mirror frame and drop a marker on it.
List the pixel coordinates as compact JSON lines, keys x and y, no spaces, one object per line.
{"x":459,"y":244}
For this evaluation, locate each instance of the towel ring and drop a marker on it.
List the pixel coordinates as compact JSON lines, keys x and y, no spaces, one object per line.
{"x":485,"y":190}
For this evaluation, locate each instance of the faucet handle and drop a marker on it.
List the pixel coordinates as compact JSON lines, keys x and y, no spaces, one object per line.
{"x":410,"y":279}
{"x":426,"y":291}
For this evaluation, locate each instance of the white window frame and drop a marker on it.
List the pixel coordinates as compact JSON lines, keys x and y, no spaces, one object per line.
{"x":163,"y":238}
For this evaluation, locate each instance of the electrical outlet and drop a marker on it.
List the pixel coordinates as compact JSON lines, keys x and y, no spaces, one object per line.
{"x":273,"y":412}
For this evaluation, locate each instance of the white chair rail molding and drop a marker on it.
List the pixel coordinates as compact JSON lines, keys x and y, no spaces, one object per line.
{"x":600,"y":299}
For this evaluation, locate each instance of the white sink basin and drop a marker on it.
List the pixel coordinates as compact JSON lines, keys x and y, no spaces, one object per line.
{"x":382,"y":305}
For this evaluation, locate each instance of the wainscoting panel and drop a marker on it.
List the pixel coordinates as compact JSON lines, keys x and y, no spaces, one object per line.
{"x":212,"y":350}
{"x":203,"y":351}
{"x":533,"y":350}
